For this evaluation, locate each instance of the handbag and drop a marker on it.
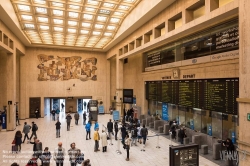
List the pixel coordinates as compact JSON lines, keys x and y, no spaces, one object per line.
{"x":13,"y":142}
{"x":108,"y":138}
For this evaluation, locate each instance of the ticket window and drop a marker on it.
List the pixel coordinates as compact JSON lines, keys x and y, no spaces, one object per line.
{"x":216,"y":124}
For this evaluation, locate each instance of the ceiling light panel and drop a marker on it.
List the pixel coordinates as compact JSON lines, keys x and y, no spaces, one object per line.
{"x":59,"y":21}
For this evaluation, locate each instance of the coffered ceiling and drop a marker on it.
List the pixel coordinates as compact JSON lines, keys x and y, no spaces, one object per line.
{"x":78,"y":23}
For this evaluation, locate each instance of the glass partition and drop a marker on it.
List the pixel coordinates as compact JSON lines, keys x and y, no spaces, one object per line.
{"x":206,"y":125}
{"x":216,"y":124}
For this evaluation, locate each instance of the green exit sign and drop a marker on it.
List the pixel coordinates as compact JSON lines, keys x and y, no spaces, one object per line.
{"x":248,"y":116}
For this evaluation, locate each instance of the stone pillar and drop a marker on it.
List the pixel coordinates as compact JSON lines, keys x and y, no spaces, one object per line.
{"x":119,"y":84}
{"x":108,"y":103}
{"x":244,"y":77}
{"x":11,"y":91}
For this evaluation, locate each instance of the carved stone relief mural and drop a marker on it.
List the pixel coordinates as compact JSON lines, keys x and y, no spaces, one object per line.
{"x":53,"y":68}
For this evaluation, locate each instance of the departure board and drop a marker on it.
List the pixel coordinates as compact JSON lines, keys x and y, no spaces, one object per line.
{"x":220,"y":95}
{"x":170,"y":92}
{"x":211,"y":94}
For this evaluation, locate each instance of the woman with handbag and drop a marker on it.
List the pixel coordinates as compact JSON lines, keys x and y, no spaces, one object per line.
{"x":127,"y":145}
{"x":18,"y":140}
{"x":104,"y":140}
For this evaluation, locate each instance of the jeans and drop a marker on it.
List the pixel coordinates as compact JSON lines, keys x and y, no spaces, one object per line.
{"x":57,"y":133}
{"x":133,"y":141}
{"x":127,"y":152}
{"x":26,"y":135}
{"x":33,"y":133}
{"x":116,"y":135}
{"x":88,"y":133}
{"x":144,"y":139}
{"x":68,"y":126}
{"x":59,"y":162}
{"x":96,"y":145}
{"x":84,"y":121}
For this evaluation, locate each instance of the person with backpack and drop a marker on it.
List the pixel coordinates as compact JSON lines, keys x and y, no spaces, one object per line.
{"x":34,"y":129}
{"x":68,"y":117}
{"x":144,"y":133}
{"x":59,"y":154}
{"x":84,"y":117}
{"x":134,"y":135}
{"x":87,"y":127}
{"x":76,"y":116}
{"x":124,"y":133}
{"x":96,"y":125}
{"x":26,"y":130}
{"x":58,"y":127}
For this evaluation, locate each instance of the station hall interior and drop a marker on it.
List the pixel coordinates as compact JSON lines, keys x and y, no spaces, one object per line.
{"x":184,"y":60}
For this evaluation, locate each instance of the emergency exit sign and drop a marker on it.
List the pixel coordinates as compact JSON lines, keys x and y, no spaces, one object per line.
{"x":248,"y":116}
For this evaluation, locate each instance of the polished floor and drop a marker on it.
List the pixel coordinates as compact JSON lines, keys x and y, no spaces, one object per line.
{"x":47,"y":135}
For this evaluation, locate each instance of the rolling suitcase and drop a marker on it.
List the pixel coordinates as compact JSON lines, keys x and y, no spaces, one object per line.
{"x":14,"y":149}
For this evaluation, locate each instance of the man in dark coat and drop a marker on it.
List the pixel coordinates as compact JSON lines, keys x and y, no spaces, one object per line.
{"x":116,"y":129}
{"x":34,"y":128}
{"x":110,"y":130}
{"x":124,"y":133}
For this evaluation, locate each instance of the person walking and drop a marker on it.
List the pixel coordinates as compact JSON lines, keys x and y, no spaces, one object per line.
{"x":53,"y":112}
{"x":59,"y":154}
{"x":84,"y":103}
{"x":37,"y":113}
{"x":134,"y":135}
{"x":144,"y":133}
{"x":62,"y":105}
{"x":73,"y":152}
{"x":26,"y":130}
{"x":182,"y":134}
{"x":17,"y":117}
{"x":34,"y":129}
{"x":88,"y":127}
{"x":139,"y":134}
{"x":104,"y":140}
{"x":18,"y":140}
{"x":46,"y":156}
{"x":84,"y":117}
{"x":76,"y":116}
{"x":58,"y":127}
{"x":124,"y":133}
{"x":127,"y":146}
{"x":57,"y":113}
{"x":110,"y":130}
{"x":116,"y":129}
{"x":96,"y":139}
{"x":96,"y":125}
{"x":173,"y":130}
{"x":68,"y":117}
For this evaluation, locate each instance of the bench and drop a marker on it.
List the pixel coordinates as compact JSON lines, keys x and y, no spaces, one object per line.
{"x":204,"y":149}
{"x":160,"y":129}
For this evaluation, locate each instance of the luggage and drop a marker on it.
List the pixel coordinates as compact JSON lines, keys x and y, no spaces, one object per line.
{"x":14,"y":149}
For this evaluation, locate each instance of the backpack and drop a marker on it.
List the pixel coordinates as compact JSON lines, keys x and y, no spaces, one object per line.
{"x":36,"y":127}
{"x":80,"y":158}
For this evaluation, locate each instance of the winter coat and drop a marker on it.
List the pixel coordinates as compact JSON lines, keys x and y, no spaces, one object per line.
{"x":58,"y":156}
{"x":110,"y":127}
{"x":26,"y":129}
{"x":34,"y":127}
{"x":104,"y":139}
{"x":73,"y":153}
{"x":18,"y":140}
{"x":58,"y":125}
{"x":88,"y":126}
{"x":76,"y":116}
{"x":96,"y":136}
{"x":96,"y":126}
{"x":124,"y":132}
{"x":144,"y":132}
{"x":68,"y":117}
{"x":116,"y":127}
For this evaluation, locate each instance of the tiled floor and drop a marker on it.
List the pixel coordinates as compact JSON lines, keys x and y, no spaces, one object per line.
{"x":46,"y":133}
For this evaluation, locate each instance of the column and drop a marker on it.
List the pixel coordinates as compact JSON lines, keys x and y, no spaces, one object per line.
{"x":107,"y":103}
{"x":119,"y":84}
{"x":11,"y":91}
{"x":244,"y":77}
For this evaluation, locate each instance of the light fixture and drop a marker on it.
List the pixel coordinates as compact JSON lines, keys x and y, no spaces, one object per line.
{"x":73,"y":14}
{"x":30,"y":26}
{"x":42,"y":19}
{"x":93,"y":2}
{"x":96,"y":33}
{"x":57,"y":4}
{"x":41,"y":10}
{"x":57,"y":21}
{"x":44,"y":27}
{"x":107,"y":34}
{"x":74,"y":7}
{"x":58,"y":29}
{"x":84,"y":32}
{"x":110,"y":5}
{"x":40,"y":1}
{"x":114,"y":20}
{"x":89,"y":9}
{"x":99,"y":26}
{"x":87,"y":16}
{"x":111,"y":27}
{"x":84,"y":24}
{"x":72,"y":30}
{"x":58,"y":12}
{"x":23,"y":8}
{"x":72,"y":23}
{"x":123,"y":7}
{"x":101,"y":18}
{"x":118,"y":13}
{"x":103,"y":11}
{"x":27,"y":17}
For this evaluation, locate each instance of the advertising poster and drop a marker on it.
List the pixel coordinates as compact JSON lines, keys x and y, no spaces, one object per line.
{"x":165,"y":111}
{"x":101,"y":109}
{"x":116,"y":115}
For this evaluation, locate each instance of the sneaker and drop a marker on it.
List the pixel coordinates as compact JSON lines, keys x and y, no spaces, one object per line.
{"x":127,"y":159}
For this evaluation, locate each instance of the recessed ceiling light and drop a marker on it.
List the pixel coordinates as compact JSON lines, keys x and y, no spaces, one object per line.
{"x":72,"y":23}
{"x":110,"y":27}
{"x":107,"y":34}
{"x":41,"y":10}
{"x":89,"y":9}
{"x":118,"y":13}
{"x":58,"y":21}
{"x":93,"y":2}
{"x":27,"y":17}
{"x":101,"y":18}
{"x":23,"y":7}
{"x":74,"y":7}
{"x":31,"y":26}
{"x":114,"y":20}
{"x":129,"y":1}
{"x":87,"y":16}
{"x":96,"y":33}
{"x":44,"y":27}
{"x":58,"y":29}
{"x":84,"y":24}
{"x":42,"y":19}
{"x":58,"y":12}
{"x":111,"y":5}
{"x":40,"y":1}
{"x":103,"y":11}
{"x":72,"y":30}
{"x":76,"y":0}
{"x":84,"y":32}
{"x":99,"y":26}
{"x":73,"y":14}
{"x":57,"y":4}
{"x":123,"y":7}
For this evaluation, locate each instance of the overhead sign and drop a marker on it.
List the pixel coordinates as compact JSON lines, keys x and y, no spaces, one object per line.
{"x":165,"y":111}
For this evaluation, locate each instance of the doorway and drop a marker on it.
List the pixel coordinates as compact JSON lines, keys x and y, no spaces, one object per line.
{"x":82,"y":104}
{"x":58,"y":104}
{"x":35,"y":102}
